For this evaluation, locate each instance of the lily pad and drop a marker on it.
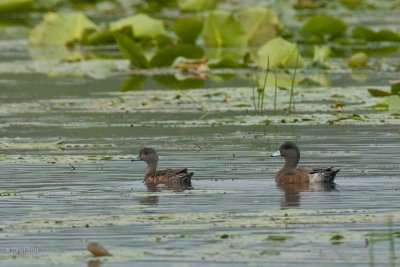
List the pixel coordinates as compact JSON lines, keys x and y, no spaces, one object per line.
{"x":260,"y":24}
{"x":188,"y":29}
{"x":222,"y":28}
{"x":358,"y":60}
{"x":62,"y":29}
{"x":15,"y":5}
{"x":130,"y":50}
{"x":368,"y":34}
{"x":279,"y":53}
{"x":324,"y":25}
{"x":196,"y":5}
{"x":167,"y":56}
{"x":395,"y":88}
{"x":277,"y":237}
{"x":378,"y":92}
{"x":336,"y":239}
{"x":142,"y":26}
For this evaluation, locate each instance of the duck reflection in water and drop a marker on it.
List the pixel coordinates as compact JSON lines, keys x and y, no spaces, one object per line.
{"x":292,"y":192}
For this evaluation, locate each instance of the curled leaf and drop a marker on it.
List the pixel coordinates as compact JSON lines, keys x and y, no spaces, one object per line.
{"x":97,"y":250}
{"x":358,"y":60}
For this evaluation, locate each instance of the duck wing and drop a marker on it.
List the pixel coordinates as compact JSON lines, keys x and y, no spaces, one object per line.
{"x":323,"y":174}
{"x":323,"y":169}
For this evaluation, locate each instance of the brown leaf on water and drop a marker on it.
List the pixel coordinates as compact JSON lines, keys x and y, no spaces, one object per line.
{"x":97,"y":250}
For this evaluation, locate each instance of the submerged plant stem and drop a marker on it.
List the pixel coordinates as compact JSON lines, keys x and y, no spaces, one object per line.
{"x":276,"y":91}
{"x":291,"y":99}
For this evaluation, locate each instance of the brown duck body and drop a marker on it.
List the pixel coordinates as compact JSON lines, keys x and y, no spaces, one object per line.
{"x":167,"y":177}
{"x":306,"y":175}
{"x":291,"y":174}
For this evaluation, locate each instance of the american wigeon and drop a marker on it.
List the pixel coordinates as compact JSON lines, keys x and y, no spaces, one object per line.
{"x":291,"y":174}
{"x":168,"y":176}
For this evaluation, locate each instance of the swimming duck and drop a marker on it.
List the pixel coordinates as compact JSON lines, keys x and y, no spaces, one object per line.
{"x":168,"y":176}
{"x":291,"y":174}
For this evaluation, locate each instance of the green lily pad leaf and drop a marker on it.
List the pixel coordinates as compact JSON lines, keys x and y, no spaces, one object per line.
{"x":133,"y":83}
{"x":279,"y":53}
{"x":277,"y":238}
{"x":167,"y":56}
{"x":378,"y":92}
{"x":221,"y":28}
{"x":100,"y":37}
{"x":225,"y":63}
{"x":395,"y":88}
{"x":367,"y":34}
{"x":15,"y":5}
{"x":324,"y":25}
{"x":188,"y":29}
{"x":381,"y":106}
{"x":196,"y":5}
{"x":321,"y":53}
{"x":260,"y":24}
{"x":130,"y":50}
{"x":171,"y":82}
{"x":62,"y":29}
{"x":358,"y":60}
{"x":142,"y":26}
{"x":336,"y":239}
{"x":394,"y":103}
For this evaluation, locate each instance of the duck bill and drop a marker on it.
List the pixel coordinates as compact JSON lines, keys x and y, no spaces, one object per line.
{"x":136,"y":159}
{"x":276,"y":154}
